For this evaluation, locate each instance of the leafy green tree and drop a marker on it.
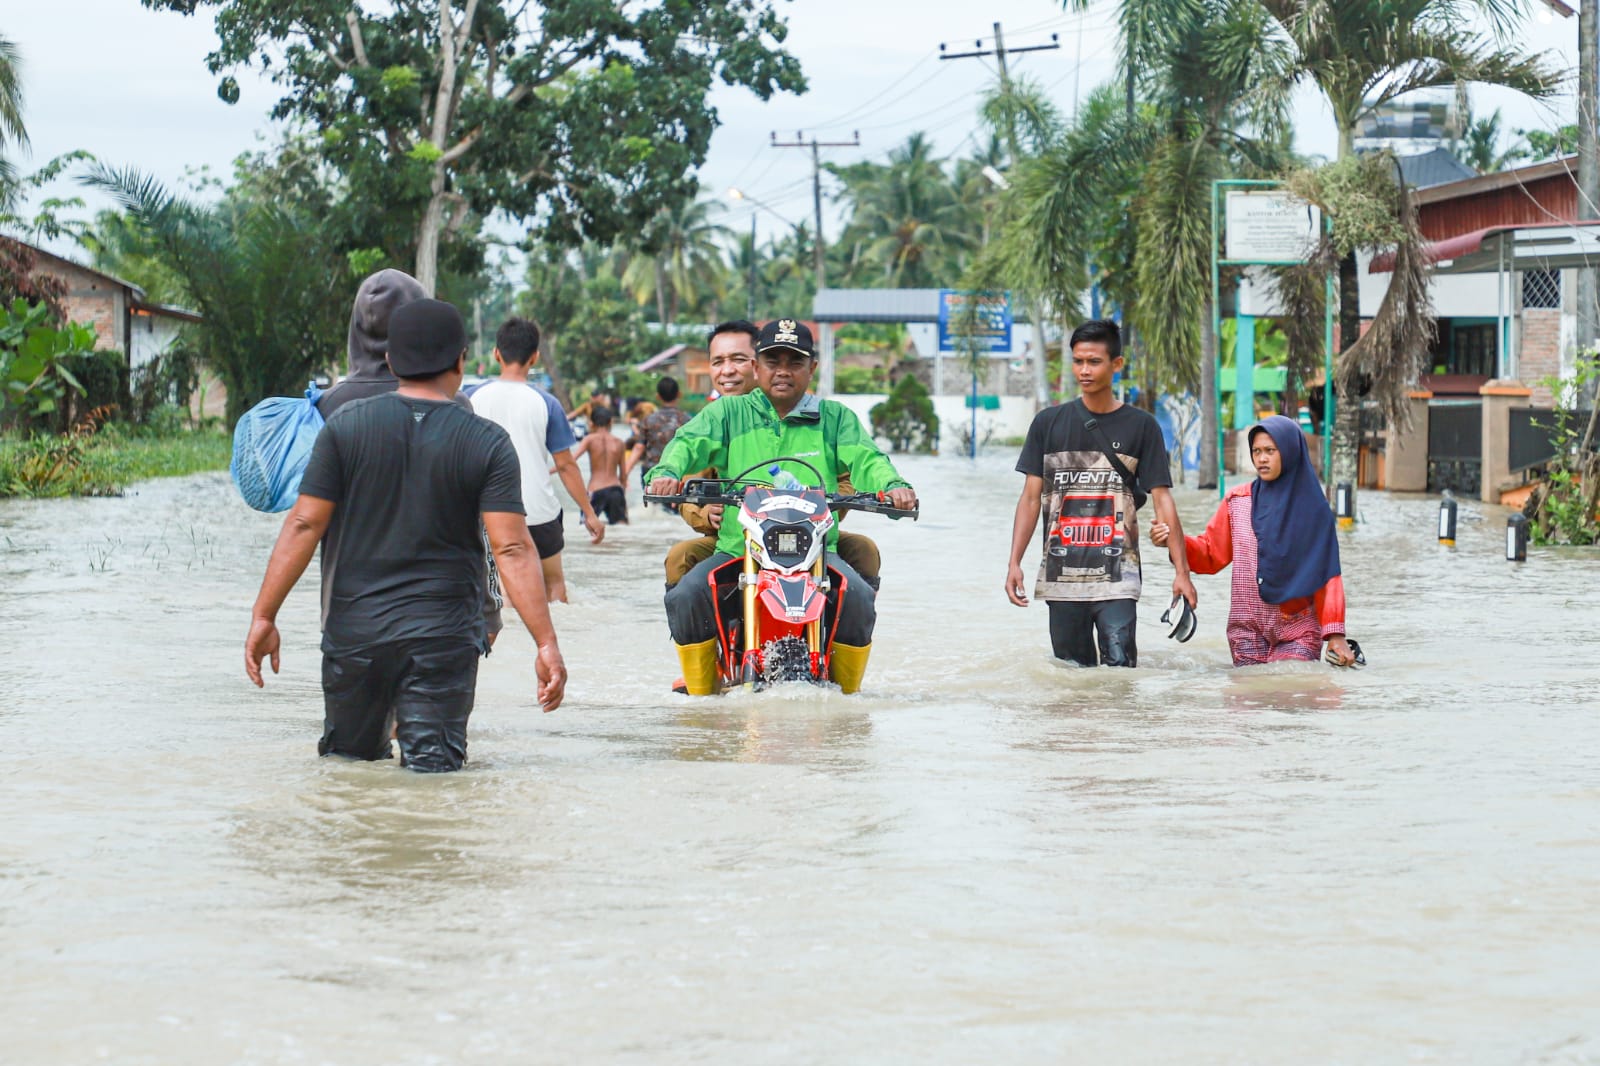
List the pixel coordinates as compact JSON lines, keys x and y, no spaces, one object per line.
{"x":272,"y":287}
{"x":588,"y":321}
{"x":585,"y":114}
{"x":1543,"y":144}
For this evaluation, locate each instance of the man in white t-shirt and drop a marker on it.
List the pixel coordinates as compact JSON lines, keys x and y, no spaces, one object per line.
{"x":540,"y":433}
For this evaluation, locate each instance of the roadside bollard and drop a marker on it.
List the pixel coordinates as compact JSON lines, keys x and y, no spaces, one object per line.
{"x":1517,"y":538}
{"x":1344,"y":505}
{"x":1447,"y":521}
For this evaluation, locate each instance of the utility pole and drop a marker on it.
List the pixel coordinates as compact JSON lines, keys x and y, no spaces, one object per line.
{"x":750,"y":297}
{"x":816,"y":187}
{"x":1041,"y":387}
{"x":1588,"y":163}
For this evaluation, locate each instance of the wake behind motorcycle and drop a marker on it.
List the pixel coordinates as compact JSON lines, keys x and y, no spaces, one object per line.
{"x":775,"y":606}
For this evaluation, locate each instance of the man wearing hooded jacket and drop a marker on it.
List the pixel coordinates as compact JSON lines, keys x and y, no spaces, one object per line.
{"x":779,"y":418}
{"x":367,"y":343}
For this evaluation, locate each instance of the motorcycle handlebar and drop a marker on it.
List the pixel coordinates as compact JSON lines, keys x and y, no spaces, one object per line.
{"x":873,"y":503}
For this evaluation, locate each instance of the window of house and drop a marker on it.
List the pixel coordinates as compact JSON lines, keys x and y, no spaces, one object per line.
{"x":1541,"y":289}
{"x":1472,"y":349}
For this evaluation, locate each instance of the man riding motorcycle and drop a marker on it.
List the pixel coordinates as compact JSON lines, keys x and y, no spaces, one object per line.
{"x":737,"y":432}
{"x":732,"y":350}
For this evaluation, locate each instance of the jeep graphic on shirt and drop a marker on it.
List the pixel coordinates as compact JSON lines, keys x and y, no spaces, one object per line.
{"x":1091,"y":533}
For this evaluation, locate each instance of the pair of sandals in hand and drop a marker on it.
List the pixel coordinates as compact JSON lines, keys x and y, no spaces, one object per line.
{"x":1181,"y":622}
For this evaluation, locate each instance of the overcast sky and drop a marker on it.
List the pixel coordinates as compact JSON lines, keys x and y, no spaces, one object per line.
{"x":130,"y":85}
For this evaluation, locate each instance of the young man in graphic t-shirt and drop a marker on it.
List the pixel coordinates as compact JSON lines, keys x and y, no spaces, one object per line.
{"x":542,"y":436}
{"x":1090,"y":575}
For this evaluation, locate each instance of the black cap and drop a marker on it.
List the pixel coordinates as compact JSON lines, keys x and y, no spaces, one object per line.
{"x":787,"y":333}
{"x":426,"y":337}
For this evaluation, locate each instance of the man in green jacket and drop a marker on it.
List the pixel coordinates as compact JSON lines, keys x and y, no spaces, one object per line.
{"x":738,"y":432}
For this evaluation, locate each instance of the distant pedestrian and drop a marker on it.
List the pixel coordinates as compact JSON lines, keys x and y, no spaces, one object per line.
{"x":607,"y":467}
{"x":542,"y":436}
{"x":1279,"y":534}
{"x":395,"y":491}
{"x":655,"y":430}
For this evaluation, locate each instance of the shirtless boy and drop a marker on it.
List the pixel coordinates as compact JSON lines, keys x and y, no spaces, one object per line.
{"x":608,"y":456}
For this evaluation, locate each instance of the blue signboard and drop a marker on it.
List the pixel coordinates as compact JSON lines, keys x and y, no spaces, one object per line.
{"x":993,"y":320}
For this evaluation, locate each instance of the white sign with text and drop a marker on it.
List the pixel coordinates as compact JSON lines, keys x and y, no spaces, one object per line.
{"x":1270,"y":227}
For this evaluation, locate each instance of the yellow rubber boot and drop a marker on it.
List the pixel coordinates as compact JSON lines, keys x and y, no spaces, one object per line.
{"x":699,"y":663}
{"x":848,"y":665}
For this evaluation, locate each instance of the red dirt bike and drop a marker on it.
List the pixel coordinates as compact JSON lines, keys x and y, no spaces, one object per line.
{"x":775,"y":605}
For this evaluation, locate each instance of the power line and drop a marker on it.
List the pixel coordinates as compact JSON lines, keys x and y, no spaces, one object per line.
{"x":816,"y":194}
{"x":872,"y":102}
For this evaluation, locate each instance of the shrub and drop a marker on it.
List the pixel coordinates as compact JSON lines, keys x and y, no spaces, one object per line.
{"x":1562,"y":510}
{"x":906,"y":418}
{"x":859,"y":379}
{"x":34,"y":375}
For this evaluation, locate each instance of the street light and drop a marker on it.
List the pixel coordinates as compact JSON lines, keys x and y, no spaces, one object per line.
{"x":737,"y":194}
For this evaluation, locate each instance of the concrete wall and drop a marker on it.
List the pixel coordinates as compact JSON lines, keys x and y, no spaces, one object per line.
{"x":151,"y":336}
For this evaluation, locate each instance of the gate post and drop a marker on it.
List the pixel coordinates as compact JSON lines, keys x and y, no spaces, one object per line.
{"x":1499,"y":396}
{"x":1405,"y":464}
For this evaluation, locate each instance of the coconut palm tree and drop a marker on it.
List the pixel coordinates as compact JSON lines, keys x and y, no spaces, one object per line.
{"x":679,"y":261}
{"x":12,"y":129}
{"x":1480,"y":145}
{"x":908,"y":226}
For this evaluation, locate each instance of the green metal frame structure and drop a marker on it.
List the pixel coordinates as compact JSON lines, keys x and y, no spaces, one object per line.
{"x":1217,"y":263}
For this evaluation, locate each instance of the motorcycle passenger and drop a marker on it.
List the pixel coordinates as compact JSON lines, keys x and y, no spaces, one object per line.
{"x":779,"y":418}
{"x":732,"y":352}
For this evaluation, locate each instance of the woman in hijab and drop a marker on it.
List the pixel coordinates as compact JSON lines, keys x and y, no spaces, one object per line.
{"x":1278,"y":532}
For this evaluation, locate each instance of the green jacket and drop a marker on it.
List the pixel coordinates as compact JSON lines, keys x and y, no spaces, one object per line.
{"x":737,"y":432}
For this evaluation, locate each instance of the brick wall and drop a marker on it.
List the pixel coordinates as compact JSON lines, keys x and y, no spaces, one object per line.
{"x":91,"y":298}
{"x":1539,"y":352}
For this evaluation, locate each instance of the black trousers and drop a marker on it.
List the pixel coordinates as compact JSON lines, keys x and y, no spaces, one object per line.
{"x":691,"y":604}
{"x":1079,"y":630}
{"x":423,"y":688}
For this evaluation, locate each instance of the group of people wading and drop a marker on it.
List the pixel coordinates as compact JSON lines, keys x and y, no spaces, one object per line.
{"x":410,"y":480}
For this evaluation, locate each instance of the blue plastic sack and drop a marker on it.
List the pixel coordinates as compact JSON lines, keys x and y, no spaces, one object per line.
{"x":271,"y":446}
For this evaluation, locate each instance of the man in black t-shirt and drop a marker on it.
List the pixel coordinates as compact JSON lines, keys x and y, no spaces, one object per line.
{"x":395,"y":490}
{"x":1090,"y":575}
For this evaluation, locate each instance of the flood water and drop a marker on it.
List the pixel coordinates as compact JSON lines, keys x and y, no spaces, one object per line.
{"x":984,"y":857}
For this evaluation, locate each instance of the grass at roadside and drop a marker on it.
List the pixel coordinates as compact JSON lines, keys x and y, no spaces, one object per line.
{"x":104,"y":463}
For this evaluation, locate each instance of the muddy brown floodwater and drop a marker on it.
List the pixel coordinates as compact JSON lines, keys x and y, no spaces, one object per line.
{"x":984,"y":857}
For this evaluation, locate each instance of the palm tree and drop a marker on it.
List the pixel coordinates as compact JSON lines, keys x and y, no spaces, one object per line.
{"x":906,"y":218}
{"x":272,"y":287}
{"x":679,"y":260}
{"x":1479,"y":146}
{"x":12,"y":128}
{"x":1210,"y":74}
{"x":1361,"y":55}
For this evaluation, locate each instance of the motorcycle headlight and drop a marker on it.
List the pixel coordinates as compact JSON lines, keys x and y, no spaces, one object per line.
{"x":787,"y":545}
